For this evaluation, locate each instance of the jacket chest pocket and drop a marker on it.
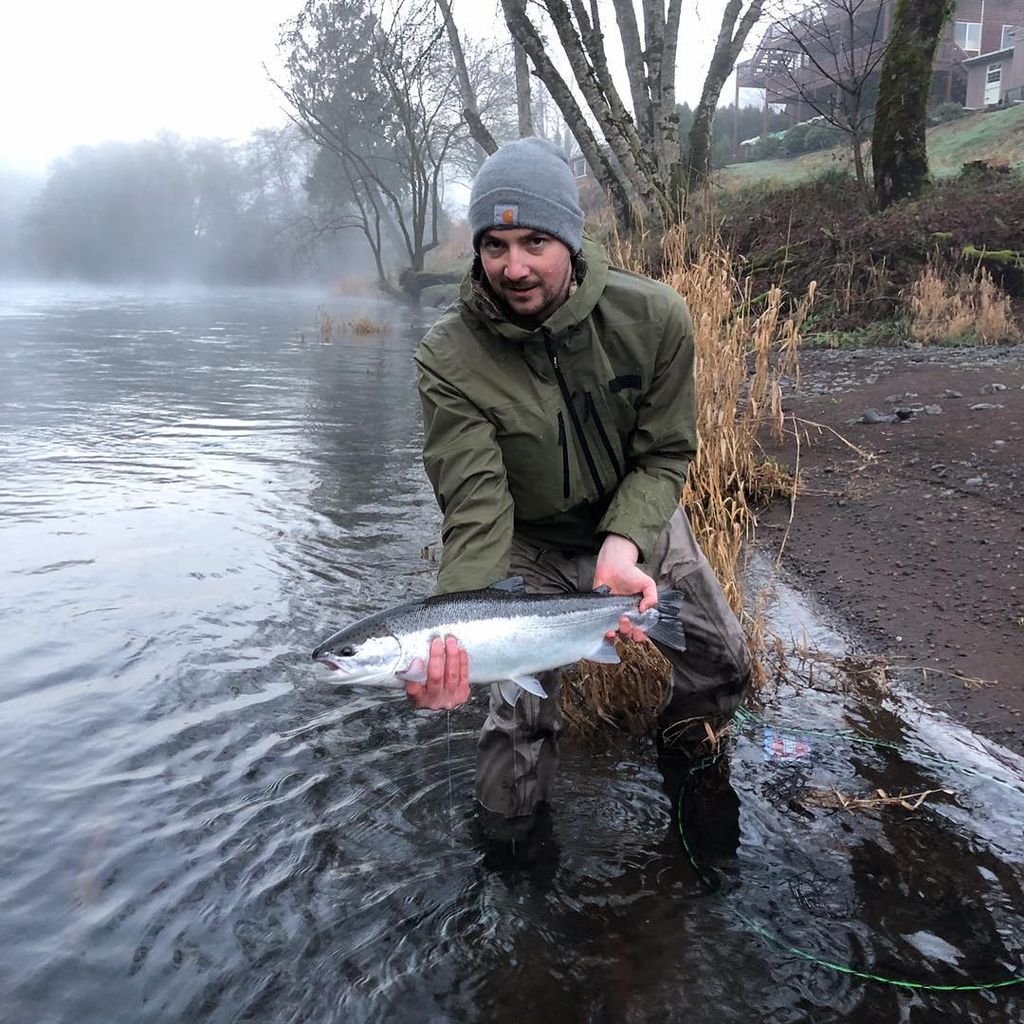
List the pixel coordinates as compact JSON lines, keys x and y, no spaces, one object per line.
{"x":541,"y":460}
{"x":600,"y":423}
{"x":607,"y":423}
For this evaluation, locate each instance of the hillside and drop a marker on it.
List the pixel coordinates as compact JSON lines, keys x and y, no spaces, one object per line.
{"x":996,"y":136}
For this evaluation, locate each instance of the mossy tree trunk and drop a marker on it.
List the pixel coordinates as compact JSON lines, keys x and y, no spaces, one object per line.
{"x":899,"y":152}
{"x":731,"y":37}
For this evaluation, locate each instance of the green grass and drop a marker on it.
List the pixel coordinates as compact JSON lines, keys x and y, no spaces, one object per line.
{"x":879,"y":334}
{"x":997,"y":137}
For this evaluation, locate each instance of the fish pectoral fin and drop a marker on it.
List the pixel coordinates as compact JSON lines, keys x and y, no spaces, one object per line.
{"x":531,"y":684}
{"x":604,"y":653}
{"x":414,"y":672}
{"x":604,"y":590}
{"x":510,"y":690}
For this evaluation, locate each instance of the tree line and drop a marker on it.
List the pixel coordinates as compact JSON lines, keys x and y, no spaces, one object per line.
{"x":391,"y":106}
{"x":168,"y":209}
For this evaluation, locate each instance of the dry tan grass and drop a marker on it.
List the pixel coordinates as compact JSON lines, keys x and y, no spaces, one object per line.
{"x":362,"y":326}
{"x":741,"y":356}
{"x":967,"y":307}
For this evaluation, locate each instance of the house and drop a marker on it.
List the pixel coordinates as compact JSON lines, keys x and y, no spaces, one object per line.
{"x":973,"y":61}
{"x":997,"y":77}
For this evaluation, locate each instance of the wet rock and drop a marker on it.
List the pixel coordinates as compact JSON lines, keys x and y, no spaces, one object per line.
{"x":973,"y":481}
{"x":874,"y":416}
{"x":933,"y":410}
{"x":950,"y":393}
{"x":904,"y":414}
{"x":979,"y":406}
{"x":989,"y":389}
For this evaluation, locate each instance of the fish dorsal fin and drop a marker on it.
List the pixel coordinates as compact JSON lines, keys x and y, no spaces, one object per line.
{"x":514,"y":584}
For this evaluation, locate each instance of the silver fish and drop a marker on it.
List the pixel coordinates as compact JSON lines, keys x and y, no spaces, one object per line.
{"x":508,"y":635}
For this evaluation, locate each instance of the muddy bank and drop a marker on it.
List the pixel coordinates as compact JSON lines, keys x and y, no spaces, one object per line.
{"x":909,"y":524}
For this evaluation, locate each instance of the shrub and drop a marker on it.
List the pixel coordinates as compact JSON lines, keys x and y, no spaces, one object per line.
{"x":946,"y":112}
{"x":967,"y":308}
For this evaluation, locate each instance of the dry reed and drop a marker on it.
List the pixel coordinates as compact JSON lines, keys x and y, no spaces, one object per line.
{"x":880,"y":799}
{"x":741,"y":357}
{"x":361,"y":326}
{"x":967,"y":307}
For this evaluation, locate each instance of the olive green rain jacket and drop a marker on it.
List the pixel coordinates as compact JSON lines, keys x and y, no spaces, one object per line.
{"x":579,"y":428}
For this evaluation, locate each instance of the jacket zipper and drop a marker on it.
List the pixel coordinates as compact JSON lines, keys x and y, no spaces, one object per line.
{"x":576,"y":425}
{"x":604,"y":436}
{"x":564,"y":444}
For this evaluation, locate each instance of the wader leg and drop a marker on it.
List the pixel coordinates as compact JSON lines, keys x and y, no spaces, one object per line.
{"x":517,"y":753}
{"x":709,"y":678}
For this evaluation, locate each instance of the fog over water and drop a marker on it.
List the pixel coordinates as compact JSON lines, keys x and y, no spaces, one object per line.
{"x":195,"y":489}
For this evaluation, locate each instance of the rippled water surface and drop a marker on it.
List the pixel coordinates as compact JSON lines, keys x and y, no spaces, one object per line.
{"x":195,"y":489}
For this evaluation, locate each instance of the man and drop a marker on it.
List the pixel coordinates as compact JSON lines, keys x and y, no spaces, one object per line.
{"x":559,"y":422}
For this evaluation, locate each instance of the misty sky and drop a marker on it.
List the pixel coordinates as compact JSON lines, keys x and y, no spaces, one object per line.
{"x":76,"y":72}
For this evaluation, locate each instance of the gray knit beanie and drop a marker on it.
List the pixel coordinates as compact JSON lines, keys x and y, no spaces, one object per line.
{"x":527,"y":184}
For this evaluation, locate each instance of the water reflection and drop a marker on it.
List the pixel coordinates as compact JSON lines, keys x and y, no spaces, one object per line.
{"x":195,"y":489}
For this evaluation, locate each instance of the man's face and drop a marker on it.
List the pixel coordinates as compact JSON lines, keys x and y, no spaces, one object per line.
{"x":529,"y":271}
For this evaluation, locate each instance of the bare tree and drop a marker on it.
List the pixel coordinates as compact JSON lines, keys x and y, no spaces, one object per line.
{"x":607,"y":167}
{"x":827,"y":57}
{"x":381,"y":99}
{"x":470,"y":108}
{"x":635,"y":152}
{"x":732,"y":35}
{"x":899,"y":153}
{"x":524,"y":105}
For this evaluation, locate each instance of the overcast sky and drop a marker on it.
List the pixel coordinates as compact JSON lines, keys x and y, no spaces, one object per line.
{"x":76,"y":72}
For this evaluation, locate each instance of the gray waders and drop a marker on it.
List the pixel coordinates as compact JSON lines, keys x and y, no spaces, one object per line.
{"x":517,"y":753}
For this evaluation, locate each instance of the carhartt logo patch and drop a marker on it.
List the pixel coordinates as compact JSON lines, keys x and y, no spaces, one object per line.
{"x":507,"y":215}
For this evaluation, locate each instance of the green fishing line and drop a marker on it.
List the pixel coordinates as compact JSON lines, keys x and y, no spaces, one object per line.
{"x":774,"y":938}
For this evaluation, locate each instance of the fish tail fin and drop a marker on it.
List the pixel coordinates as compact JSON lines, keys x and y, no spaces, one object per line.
{"x":668,"y":630}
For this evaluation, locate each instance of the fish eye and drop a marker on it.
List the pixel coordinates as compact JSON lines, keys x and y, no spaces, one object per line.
{"x":348,"y":651}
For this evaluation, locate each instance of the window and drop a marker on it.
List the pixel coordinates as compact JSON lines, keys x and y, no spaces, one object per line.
{"x":967,"y":35}
{"x":1008,"y":34}
{"x":993,"y":82}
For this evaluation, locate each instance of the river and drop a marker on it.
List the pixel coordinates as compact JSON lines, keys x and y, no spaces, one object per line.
{"x":196,"y":488}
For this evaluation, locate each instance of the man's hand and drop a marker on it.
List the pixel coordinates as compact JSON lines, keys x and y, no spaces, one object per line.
{"x":447,"y":684}
{"x":617,"y":569}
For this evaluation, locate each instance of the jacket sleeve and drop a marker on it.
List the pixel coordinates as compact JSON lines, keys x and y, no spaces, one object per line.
{"x":465,"y":468}
{"x":664,"y":441}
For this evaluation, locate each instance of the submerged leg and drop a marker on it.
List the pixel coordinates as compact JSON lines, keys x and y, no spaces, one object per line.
{"x":709,"y":678}
{"x":517,"y":753}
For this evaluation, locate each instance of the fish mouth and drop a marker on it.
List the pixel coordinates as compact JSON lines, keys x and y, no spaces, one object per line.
{"x":323,"y":658}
